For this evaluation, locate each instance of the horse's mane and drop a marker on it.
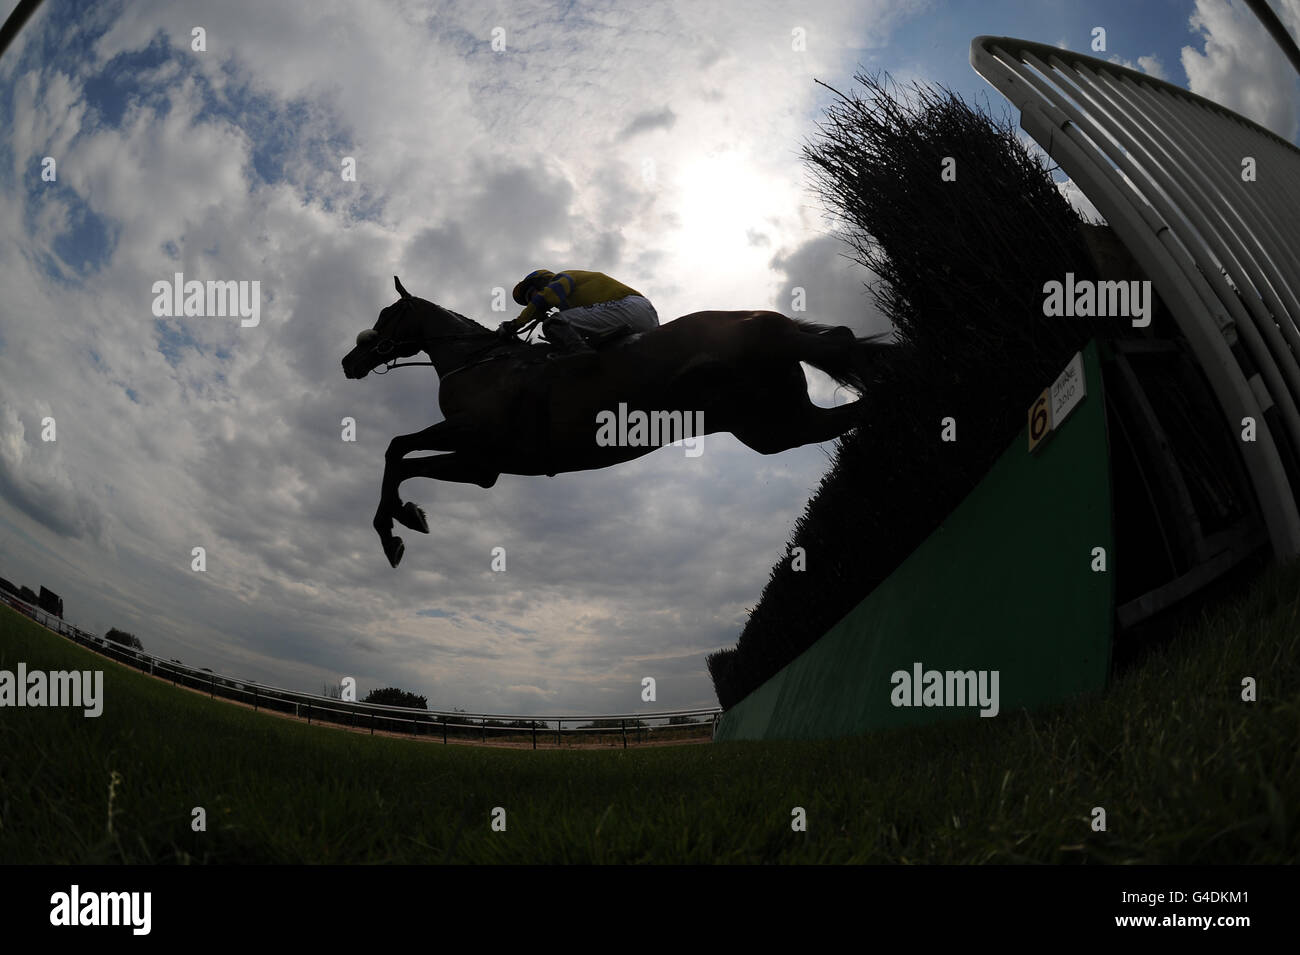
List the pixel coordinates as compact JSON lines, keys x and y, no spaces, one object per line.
{"x":470,"y":326}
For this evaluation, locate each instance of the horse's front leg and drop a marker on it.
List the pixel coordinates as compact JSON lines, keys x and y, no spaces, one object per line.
{"x":443,"y":436}
{"x":383,"y":525}
{"x":390,"y":508}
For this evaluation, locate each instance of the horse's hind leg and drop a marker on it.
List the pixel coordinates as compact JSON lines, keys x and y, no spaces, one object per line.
{"x":785,"y":417}
{"x":838,"y":352}
{"x":810,"y":425}
{"x":825,"y":424}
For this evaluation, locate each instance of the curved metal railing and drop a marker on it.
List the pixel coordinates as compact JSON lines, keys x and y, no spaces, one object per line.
{"x":1208,"y":203}
{"x":696,"y":723}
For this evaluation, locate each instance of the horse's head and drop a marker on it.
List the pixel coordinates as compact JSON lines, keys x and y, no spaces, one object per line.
{"x":408,"y":326}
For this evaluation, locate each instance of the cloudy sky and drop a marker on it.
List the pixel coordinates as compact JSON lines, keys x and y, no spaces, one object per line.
{"x":658,"y":143}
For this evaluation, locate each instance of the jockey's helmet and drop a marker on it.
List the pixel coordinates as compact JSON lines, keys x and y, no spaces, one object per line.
{"x":531,"y":283}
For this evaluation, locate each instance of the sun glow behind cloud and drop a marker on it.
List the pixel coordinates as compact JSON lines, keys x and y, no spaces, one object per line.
{"x":720,"y":202}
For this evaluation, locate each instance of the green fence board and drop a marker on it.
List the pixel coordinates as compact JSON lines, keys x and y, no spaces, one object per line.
{"x":1006,"y":584}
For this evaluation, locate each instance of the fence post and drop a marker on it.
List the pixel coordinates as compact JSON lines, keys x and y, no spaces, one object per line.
{"x":444,"y":731}
{"x":372,"y":724}
{"x":534,"y":734}
{"x":485,"y":729}
{"x":212,"y":688}
{"x":558,"y":724}
{"x":623,"y":725}
{"x":254,"y":699}
{"x":309,"y":712}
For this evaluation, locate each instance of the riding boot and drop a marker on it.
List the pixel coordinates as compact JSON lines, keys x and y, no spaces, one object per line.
{"x":565,"y":337}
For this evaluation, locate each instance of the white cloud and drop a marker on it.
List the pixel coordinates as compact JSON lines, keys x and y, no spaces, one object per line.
{"x":1152,"y":66}
{"x":1241,"y":67}
{"x":474,"y":167}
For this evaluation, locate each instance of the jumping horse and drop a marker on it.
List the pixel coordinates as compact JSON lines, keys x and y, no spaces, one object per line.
{"x":511,"y":407}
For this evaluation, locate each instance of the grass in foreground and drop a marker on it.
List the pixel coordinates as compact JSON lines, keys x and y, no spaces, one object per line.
{"x":1186,"y":772}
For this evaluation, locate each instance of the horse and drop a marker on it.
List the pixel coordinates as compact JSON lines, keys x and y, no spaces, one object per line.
{"x":511,"y":407}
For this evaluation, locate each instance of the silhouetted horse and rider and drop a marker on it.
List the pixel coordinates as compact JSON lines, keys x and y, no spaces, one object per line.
{"x":511,"y":407}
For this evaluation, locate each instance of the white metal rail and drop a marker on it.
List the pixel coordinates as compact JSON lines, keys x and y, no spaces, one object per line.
{"x":1165,"y":168}
{"x":400,"y":719}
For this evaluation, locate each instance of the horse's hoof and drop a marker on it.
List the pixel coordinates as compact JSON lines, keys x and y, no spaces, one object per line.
{"x":394,"y":550}
{"x":412,"y":515}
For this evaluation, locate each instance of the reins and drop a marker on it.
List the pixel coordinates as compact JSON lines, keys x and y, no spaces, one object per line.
{"x":421,"y":342}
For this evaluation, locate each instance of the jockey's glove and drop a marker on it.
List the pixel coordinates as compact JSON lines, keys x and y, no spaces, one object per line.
{"x":506,"y":331}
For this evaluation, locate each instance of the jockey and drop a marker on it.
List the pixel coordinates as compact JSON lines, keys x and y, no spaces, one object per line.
{"x":589,"y":302}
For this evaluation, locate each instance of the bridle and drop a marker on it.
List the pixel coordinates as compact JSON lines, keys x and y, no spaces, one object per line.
{"x":388,"y":345}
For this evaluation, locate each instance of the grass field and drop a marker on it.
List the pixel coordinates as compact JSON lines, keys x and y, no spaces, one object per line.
{"x":1186,"y":771}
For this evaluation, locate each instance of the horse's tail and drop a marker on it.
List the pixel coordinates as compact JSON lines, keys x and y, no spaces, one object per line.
{"x":848,"y":359}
